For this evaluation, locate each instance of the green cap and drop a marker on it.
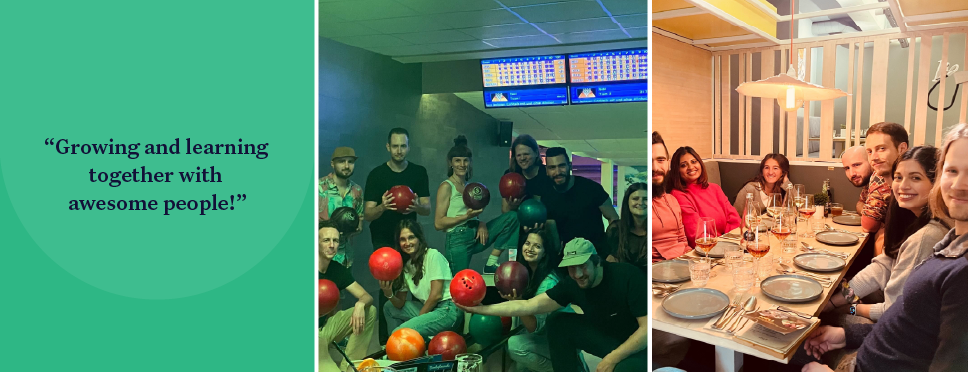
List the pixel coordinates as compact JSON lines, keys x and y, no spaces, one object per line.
{"x":577,"y":252}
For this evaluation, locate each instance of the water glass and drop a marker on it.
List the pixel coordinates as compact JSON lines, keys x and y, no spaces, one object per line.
{"x":817,"y":225}
{"x":743,"y":275}
{"x":788,"y":249}
{"x":378,"y":369}
{"x":469,"y":362}
{"x":765,"y":269}
{"x":732,"y":254}
{"x":699,"y":271}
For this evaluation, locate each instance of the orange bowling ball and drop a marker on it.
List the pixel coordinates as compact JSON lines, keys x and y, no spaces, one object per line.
{"x":405,"y":344}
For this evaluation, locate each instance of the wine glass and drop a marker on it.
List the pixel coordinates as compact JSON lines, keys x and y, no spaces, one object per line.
{"x":799,"y":192}
{"x":758,"y":247}
{"x":706,"y":236}
{"x":806,"y":211}
{"x":774,"y":205}
{"x":783,"y":228}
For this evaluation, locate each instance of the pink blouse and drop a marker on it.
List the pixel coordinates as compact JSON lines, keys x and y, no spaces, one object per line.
{"x":697,"y":202}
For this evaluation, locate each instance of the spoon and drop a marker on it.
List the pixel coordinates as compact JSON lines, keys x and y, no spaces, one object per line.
{"x":745,"y":320}
{"x":810,"y":248}
{"x":748,"y":307}
{"x":789,"y":270}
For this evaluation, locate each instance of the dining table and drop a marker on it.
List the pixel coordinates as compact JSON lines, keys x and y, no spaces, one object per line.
{"x":728,"y":350}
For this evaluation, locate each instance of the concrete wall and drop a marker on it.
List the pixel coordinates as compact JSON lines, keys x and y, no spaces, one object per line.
{"x":362,"y":95}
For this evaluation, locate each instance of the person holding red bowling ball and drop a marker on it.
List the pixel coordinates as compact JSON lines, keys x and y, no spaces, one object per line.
{"x":427,"y":276}
{"x":614,"y":298}
{"x":356,"y":323}
{"x":540,"y":255}
{"x":466,"y":235}
{"x":526,"y":161}
{"x":380,"y":209}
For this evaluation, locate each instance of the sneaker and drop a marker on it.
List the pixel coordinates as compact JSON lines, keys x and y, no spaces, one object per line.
{"x":490,"y":269}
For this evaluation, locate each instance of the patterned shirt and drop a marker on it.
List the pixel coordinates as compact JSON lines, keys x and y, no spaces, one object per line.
{"x":330,"y":199}
{"x":878,"y":198}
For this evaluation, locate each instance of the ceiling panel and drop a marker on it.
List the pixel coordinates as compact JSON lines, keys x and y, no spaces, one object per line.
{"x":405,"y":50}
{"x":739,"y":42}
{"x":575,"y":145}
{"x":702,"y":26}
{"x":592,"y":24}
{"x":561,"y":11}
{"x":493,"y":32}
{"x":639,"y":32}
{"x":447,"y":6}
{"x":368,"y":41}
{"x":920,"y":7}
{"x":330,"y":30}
{"x":478,"y":18}
{"x":622,"y":7}
{"x":633,"y":20}
{"x":524,"y":41}
{"x":430,"y":37}
{"x":514,"y":3}
{"x":406,"y":24}
{"x":461,"y":46}
{"x":591,"y":36}
{"x":360,"y":10}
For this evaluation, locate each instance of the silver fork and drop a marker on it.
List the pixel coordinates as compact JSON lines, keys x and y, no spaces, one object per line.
{"x":740,"y":325}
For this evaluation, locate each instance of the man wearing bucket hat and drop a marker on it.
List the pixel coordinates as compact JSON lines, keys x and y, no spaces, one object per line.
{"x":613,"y":297}
{"x":338,"y":190}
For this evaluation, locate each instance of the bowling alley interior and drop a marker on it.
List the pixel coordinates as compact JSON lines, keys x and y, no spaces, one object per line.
{"x":420,"y":65}
{"x":787,"y":90}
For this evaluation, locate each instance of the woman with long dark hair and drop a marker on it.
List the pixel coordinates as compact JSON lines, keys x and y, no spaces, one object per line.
{"x":466,"y":235}
{"x":773,"y":177}
{"x":628,"y":239}
{"x":426,"y":275}
{"x":689,"y":184}
{"x":540,"y":254}
{"x":911,"y":231}
{"x":526,"y":161}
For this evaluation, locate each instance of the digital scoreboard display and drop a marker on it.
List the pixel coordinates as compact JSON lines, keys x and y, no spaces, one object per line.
{"x":611,"y":76}
{"x":525,"y":81}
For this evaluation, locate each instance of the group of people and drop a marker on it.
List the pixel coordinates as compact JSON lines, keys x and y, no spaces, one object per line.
{"x":573,"y":261}
{"x":901,"y":309}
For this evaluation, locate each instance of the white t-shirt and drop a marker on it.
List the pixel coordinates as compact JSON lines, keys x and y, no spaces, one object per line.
{"x":435,"y":267}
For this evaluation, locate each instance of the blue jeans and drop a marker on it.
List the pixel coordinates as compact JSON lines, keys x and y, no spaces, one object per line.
{"x":445,"y":317}
{"x":461,"y":242}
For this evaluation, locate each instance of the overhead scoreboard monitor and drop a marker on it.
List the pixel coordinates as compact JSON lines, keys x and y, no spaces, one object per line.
{"x":525,"y":81}
{"x":612,"y":76}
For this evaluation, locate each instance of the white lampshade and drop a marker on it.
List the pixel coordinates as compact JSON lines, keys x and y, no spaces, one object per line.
{"x":782,"y":85}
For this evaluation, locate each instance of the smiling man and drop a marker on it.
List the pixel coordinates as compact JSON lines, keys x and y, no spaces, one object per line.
{"x":577,"y":204}
{"x":338,"y":190}
{"x":668,"y":234}
{"x":885,"y":143}
{"x":858,"y":171}
{"x":613,"y":297}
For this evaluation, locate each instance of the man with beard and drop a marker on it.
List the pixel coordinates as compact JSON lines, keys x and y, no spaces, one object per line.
{"x":858,"y":171}
{"x":614,"y":320}
{"x":668,"y":235}
{"x":338,"y":190}
{"x":885,"y":143}
{"x":577,"y":204}
{"x":380,"y":208}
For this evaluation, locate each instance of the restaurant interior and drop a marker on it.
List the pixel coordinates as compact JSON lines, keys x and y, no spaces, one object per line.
{"x":853,"y":63}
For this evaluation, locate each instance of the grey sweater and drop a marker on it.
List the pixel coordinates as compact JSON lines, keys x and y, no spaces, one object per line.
{"x":889,"y":275}
{"x":755,"y":188}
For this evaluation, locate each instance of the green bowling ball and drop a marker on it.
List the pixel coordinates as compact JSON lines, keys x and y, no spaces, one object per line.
{"x":486,"y":329}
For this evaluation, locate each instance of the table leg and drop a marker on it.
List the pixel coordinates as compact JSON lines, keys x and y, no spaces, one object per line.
{"x":728,"y":360}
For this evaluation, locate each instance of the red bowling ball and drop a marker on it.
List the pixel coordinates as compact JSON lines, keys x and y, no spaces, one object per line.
{"x":512,"y":186}
{"x":328,"y":296}
{"x":505,"y":325}
{"x":476,"y":196}
{"x":386,"y":264}
{"x":467,"y":288}
{"x":511,"y":276}
{"x":403,"y":197}
{"x":447,"y":344}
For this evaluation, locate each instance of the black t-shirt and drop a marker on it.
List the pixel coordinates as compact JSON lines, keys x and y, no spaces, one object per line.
{"x":339,"y":274}
{"x":537,"y":186}
{"x":632,"y":256}
{"x":378,"y":182}
{"x":614,"y":304}
{"x":576,"y":212}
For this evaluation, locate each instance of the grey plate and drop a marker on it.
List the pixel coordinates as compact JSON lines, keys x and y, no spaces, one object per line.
{"x":791,"y":288}
{"x":849,"y":220}
{"x":819,"y":262}
{"x":670,"y":271}
{"x":718,"y":251}
{"x":695,"y":303}
{"x":836,"y":238}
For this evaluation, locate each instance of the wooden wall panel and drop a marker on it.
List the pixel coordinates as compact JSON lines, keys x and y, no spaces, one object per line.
{"x":858,"y":116}
{"x":766,"y":104}
{"x":681,"y":110}
{"x":921,"y":105}
{"x":879,"y":80}
{"x":848,"y":139}
{"x":827,"y":107}
{"x":939,"y":124}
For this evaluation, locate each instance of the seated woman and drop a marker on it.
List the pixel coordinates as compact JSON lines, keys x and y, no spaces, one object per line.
{"x":628,"y":239}
{"x":466,"y":235}
{"x":910,"y":236}
{"x":426,"y":274}
{"x":697,"y":197}
{"x":540,"y":253}
{"x":773,"y":177}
